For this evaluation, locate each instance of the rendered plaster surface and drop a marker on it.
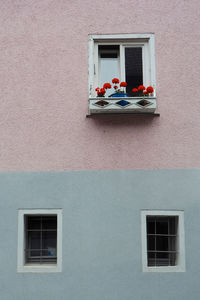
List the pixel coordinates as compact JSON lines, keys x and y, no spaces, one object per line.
{"x":102,"y":253}
{"x":44,"y":86}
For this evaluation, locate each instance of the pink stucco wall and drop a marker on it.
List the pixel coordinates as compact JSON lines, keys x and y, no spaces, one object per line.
{"x":44,"y":86}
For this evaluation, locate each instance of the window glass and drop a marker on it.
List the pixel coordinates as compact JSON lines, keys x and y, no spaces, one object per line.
{"x":161,"y":240}
{"x":133,"y":67}
{"x":108,"y":64}
{"x":41,"y":239}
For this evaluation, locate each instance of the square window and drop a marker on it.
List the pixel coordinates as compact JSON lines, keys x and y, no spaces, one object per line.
{"x":130,"y":58}
{"x":163,"y":241}
{"x":39,"y":240}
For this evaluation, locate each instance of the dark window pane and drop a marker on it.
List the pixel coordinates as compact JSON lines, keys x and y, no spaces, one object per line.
{"x":49,"y":223}
{"x":150,"y":226}
{"x":163,"y":255}
{"x":162,"y":259}
{"x":172,"y":243}
{"x":172,"y":259}
{"x":151,"y":243}
{"x":109,"y":55}
{"x":49,"y":239}
{"x":34,"y":253}
{"x":133,"y":68}
{"x":109,"y":51}
{"x":49,"y":252}
{"x":162,"y":225}
{"x":108,"y":47}
{"x":151,"y":259}
{"x":162,"y":243}
{"x":45,"y":252}
{"x":34,"y":238}
{"x":33,"y":223}
{"x":173,"y":225}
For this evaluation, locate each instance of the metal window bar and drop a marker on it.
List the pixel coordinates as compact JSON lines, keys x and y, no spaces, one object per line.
{"x":166,"y":257}
{"x":155,"y":244}
{"x":168,"y":241}
{"x":41,"y":258}
{"x":40,"y":239}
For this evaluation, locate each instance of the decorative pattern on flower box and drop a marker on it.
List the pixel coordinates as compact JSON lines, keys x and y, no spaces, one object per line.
{"x":122,"y":105}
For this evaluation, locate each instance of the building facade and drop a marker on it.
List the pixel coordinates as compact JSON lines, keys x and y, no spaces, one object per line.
{"x":99,"y":196}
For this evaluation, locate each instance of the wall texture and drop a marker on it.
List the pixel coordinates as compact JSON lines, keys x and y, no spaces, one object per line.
{"x":44,"y":86}
{"x":101,"y":234}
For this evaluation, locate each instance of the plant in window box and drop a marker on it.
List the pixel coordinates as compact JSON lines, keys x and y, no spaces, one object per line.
{"x":119,"y":90}
{"x":141,"y":91}
{"x":100,"y":92}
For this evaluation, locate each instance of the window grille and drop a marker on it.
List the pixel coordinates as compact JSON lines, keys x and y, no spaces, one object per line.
{"x":41,"y":239}
{"x":162,"y":240}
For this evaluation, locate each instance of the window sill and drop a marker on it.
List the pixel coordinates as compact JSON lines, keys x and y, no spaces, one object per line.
{"x":166,"y":269}
{"x":39,"y":268}
{"x":121,"y":105}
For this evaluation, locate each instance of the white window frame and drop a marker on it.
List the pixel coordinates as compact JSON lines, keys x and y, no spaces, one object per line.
{"x":180,"y":267}
{"x":146,"y":41}
{"x":38,"y":268}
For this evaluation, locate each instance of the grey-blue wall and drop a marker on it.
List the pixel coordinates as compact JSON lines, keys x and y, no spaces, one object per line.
{"x":101,"y":234}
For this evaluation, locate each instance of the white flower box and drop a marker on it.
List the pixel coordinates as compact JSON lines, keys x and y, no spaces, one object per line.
{"x":124,"y":105}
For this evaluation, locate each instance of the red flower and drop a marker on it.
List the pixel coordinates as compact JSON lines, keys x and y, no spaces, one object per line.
{"x":115,"y":80}
{"x":115,"y":87}
{"x":141,"y":88}
{"x":134,"y":90}
{"x":150,"y":89}
{"x":97,"y":89}
{"x":107,"y":86}
{"x":145,"y":92}
{"x":123,"y":84}
{"x":102,"y":91}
